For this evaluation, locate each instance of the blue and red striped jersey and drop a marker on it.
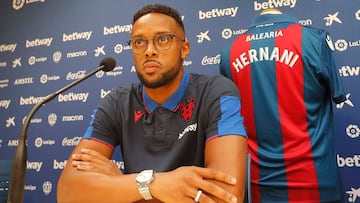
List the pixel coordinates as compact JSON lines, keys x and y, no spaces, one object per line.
{"x":287,"y":76}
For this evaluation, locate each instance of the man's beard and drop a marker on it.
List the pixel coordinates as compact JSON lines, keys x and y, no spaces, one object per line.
{"x":162,"y":80}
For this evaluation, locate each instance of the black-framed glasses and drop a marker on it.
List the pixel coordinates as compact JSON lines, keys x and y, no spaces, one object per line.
{"x":162,"y":42}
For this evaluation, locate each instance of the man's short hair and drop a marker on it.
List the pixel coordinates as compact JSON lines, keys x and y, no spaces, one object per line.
{"x":159,"y":8}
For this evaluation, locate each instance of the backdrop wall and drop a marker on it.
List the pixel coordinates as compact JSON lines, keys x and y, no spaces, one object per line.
{"x":46,"y":44}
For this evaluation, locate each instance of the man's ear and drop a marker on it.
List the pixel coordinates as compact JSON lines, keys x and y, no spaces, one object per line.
{"x":185,"y":50}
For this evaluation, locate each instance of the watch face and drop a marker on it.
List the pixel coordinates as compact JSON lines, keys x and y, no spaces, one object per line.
{"x":143,"y":180}
{"x":144,"y":176}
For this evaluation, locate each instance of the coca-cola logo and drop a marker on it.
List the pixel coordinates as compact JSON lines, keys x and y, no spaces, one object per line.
{"x":211,"y":60}
{"x":70,"y":142}
{"x":75,"y":76}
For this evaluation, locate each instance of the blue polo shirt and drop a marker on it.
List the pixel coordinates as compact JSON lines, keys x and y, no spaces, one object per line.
{"x":169,"y":135}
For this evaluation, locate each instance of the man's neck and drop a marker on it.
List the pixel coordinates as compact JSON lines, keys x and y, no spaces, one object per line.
{"x":161,"y":94}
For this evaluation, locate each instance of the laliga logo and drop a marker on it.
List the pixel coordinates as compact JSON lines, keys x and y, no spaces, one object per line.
{"x":357,"y":15}
{"x":38,"y":142}
{"x":226,"y":33}
{"x":353,"y":131}
{"x":118,"y":48}
{"x":341,"y":45}
{"x":17,"y":4}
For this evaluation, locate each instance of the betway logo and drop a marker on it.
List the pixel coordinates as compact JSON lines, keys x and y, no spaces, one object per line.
{"x":216,"y":12}
{"x":7,"y":47}
{"x":188,"y":129}
{"x":34,"y":165}
{"x":119,"y":164}
{"x":117,"y":29}
{"x":59,"y":164}
{"x":30,"y":100}
{"x":5,"y":103}
{"x":103,"y":93}
{"x":71,"y":96}
{"x":76,"y":36}
{"x":348,"y":161}
{"x":38,"y":42}
{"x":347,"y":71}
{"x":274,"y":4}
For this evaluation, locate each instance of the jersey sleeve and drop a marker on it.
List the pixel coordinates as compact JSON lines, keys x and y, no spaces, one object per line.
{"x":224,"y":109}
{"x":330,"y":67}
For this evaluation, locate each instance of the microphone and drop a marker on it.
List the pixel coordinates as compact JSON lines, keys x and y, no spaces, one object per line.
{"x":17,"y":180}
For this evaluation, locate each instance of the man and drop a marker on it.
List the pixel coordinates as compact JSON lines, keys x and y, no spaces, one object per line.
{"x":286,"y":76}
{"x":180,"y":134}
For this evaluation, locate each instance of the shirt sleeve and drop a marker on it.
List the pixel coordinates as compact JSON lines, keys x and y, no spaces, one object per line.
{"x":224,"y":109}
{"x":330,"y":66}
{"x":104,"y":120}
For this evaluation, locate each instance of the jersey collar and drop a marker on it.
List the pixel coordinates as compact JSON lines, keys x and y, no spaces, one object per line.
{"x":272,"y":18}
{"x":174,"y":99}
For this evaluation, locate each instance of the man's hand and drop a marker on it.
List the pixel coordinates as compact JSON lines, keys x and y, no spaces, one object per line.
{"x":182,"y":185}
{"x":92,"y":161}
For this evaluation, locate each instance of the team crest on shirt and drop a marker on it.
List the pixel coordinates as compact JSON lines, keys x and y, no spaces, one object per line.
{"x":186,"y":109}
{"x":137,"y":115}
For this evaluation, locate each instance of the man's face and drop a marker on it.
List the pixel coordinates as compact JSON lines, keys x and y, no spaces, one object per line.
{"x":156,"y":68}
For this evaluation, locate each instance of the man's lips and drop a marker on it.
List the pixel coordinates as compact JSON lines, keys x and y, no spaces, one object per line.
{"x":151,"y":66}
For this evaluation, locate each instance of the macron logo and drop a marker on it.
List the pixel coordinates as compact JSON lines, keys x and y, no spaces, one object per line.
{"x":274,"y":4}
{"x":216,"y":12}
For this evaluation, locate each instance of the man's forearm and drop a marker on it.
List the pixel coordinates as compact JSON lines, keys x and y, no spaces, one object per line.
{"x":228,"y":154}
{"x":82,"y":186}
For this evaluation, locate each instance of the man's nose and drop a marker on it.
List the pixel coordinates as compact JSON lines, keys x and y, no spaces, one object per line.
{"x":151,"y":48}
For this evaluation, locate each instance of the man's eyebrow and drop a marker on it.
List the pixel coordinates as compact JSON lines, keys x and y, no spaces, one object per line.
{"x":157,"y":33}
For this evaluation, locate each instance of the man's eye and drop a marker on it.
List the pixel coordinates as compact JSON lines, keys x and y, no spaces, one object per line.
{"x":163,"y":39}
{"x":139,"y":42}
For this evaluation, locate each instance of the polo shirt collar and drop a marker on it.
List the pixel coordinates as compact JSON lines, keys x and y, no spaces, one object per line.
{"x":174,"y":99}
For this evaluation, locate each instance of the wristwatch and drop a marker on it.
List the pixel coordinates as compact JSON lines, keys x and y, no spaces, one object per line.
{"x":143,"y":180}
